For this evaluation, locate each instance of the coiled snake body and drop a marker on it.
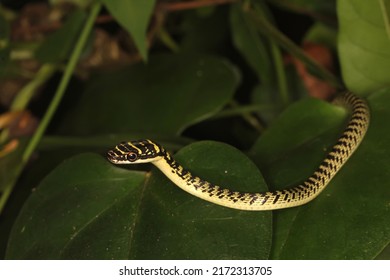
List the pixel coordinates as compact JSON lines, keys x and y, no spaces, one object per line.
{"x":148,"y":151}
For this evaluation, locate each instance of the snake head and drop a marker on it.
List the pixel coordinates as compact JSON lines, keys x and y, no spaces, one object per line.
{"x":134,"y":152}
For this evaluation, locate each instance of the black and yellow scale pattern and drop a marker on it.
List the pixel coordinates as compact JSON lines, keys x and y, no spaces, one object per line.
{"x":148,"y":151}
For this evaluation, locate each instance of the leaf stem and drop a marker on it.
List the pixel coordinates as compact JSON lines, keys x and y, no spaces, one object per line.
{"x":385,"y":8}
{"x":262,"y":10}
{"x":280,"y":73}
{"x":283,"y":41}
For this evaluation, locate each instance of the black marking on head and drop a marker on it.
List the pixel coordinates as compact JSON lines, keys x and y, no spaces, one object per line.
{"x":145,"y":148}
{"x":135,"y":150}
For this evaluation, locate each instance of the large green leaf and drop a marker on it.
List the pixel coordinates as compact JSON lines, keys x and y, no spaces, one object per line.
{"x":88,"y":208}
{"x":9,"y":169}
{"x":385,"y":254}
{"x":165,"y":96}
{"x":134,"y":16}
{"x":350,"y":219}
{"x":71,"y":200}
{"x":364,"y":44}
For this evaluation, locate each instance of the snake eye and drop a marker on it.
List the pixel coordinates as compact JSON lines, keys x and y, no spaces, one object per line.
{"x":131,"y":156}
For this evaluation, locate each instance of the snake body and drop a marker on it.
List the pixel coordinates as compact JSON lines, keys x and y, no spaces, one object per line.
{"x":144,"y":151}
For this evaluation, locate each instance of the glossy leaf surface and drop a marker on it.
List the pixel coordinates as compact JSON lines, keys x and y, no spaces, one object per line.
{"x":364,"y":44}
{"x":134,"y":16}
{"x":165,"y":96}
{"x":88,"y":208}
{"x":350,"y":219}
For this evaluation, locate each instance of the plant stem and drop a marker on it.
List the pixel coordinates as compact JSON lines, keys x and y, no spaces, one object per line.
{"x":34,"y":141}
{"x":280,"y":73}
{"x":269,"y":30}
{"x":262,"y":11}
{"x":27,"y":92}
{"x":74,"y":57}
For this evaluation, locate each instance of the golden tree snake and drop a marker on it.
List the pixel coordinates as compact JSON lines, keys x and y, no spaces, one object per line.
{"x":144,"y":151}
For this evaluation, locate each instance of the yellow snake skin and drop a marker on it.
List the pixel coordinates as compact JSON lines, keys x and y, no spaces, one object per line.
{"x":144,"y":151}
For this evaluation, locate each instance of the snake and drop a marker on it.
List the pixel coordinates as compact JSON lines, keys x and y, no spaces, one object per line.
{"x":148,"y":151}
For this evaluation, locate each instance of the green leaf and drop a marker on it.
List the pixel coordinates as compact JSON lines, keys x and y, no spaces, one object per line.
{"x":205,"y":230}
{"x":165,"y":96}
{"x":89,"y":209}
{"x":322,"y":34}
{"x":57,"y":46}
{"x":385,"y":254}
{"x":306,"y":122}
{"x":69,"y":202}
{"x":364,"y":45}
{"x":270,"y":102}
{"x":22,"y":186}
{"x":350,"y":219}
{"x":204,"y":31}
{"x":134,"y":16}
{"x":268,"y":29}
{"x":251,"y":46}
